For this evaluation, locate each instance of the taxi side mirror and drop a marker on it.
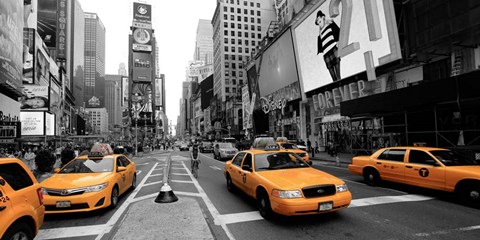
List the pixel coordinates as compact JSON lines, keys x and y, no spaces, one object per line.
{"x":247,"y":168}
{"x":121,"y":169}
{"x":56,"y":170}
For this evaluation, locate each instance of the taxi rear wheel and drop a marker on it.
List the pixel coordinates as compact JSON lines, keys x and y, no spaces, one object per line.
{"x":114,"y":197}
{"x":134,"y":181}
{"x":230,"y":186}
{"x":470,"y":193}
{"x":20,"y":231}
{"x":371,"y":177}
{"x":264,"y":206}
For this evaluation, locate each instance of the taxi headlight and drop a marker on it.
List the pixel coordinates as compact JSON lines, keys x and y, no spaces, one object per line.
{"x":96,"y":188}
{"x":342,"y":188}
{"x":44,"y":191}
{"x":287,"y":193}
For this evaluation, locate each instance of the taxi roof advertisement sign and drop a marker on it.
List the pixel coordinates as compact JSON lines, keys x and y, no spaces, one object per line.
{"x":142,"y":12}
{"x":343,"y":38}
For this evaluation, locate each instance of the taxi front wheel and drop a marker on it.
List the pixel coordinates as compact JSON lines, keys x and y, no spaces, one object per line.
{"x":19,"y":231}
{"x":264,"y":206}
{"x":114,"y":197}
{"x":470,"y":193}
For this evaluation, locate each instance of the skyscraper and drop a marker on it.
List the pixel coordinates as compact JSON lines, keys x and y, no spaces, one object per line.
{"x":113,"y":99}
{"x":204,"y":42}
{"x":94,"y":61}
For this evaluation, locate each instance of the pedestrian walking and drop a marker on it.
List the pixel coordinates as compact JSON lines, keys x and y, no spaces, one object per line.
{"x":67,"y":155}
{"x":45,"y":161}
{"x":30,"y":158}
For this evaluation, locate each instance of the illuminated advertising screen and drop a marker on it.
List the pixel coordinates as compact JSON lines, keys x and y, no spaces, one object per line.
{"x":11,"y":36}
{"x":47,"y":21}
{"x":278,"y":68}
{"x":35,"y":98}
{"x":142,"y":12}
{"x":343,"y":38}
{"x":142,"y":39}
{"x":142,"y":97}
{"x":49,"y":124}
{"x":33,"y":123}
{"x":142,"y":67}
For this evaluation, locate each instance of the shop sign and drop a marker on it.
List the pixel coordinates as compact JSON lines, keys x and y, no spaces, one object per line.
{"x":289,"y":121}
{"x":269,"y":105}
{"x":8,"y":131}
{"x":7,"y":141}
{"x":333,"y":98}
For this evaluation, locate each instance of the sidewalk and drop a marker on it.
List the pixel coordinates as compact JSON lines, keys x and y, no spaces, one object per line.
{"x":345,"y":158}
{"x":147,"y":219}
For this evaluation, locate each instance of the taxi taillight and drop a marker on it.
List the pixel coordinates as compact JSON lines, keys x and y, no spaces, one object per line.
{"x":40,"y":196}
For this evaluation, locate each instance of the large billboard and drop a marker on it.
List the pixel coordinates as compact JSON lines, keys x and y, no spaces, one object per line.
{"x":142,"y":12}
{"x":142,"y":67}
{"x":62,"y":29}
{"x":42,"y":62}
{"x":30,"y":14}
{"x":47,"y":21}
{"x":49,"y":124}
{"x":35,"y":98}
{"x":125,"y":92}
{"x":342,"y":38}
{"x":142,"y":39}
{"x":278,"y":68}
{"x":33,"y":123}
{"x":11,"y":37}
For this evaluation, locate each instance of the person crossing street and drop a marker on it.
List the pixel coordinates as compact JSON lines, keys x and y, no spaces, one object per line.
{"x":195,"y":161}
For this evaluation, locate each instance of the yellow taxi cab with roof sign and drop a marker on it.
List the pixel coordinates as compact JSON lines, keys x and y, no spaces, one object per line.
{"x":284,"y":144}
{"x":21,"y":201}
{"x":428,"y":167}
{"x":89,"y":182}
{"x":283,"y":183}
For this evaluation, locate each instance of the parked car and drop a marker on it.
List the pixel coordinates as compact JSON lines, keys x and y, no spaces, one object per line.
{"x":224,"y":150}
{"x":206,"y":147}
{"x":90,"y":182}
{"x":21,"y":201}
{"x":282,"y":183}
{"x":428,"y":167}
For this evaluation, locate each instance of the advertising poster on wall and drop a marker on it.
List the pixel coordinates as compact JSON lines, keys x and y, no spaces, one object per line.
{"x":28,"y":53}
{"x":42,"y":64}
{"x":11,"y":34}
{"x":47,"y":21}
{"x":35,"y":98}
{"x":49,"y":124}
{"x":343,"y":38}
{"x":142,"y":97}
{"x":125,"y":92}
{"x":142,"y":67}
{"x":33,"y":123}
{"x":30,"y":9}
{"x":278,"y":68}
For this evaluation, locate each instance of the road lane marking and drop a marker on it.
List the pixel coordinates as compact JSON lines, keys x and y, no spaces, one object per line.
{"x":142,"y":164}
{"x":215,"y":168}
{"x":181,"y":181}
{"x":68,"y":232}
{"x":156,"y":175}
{"x":241,"y":217}
{"x":449,"y":231}
{"x":138,"y":172}
{"x":177,"y":168}
{"x":387,"y":199}
{"x":180,"y":174}
{"x":152,"y":183}
{"x":211,"y":208}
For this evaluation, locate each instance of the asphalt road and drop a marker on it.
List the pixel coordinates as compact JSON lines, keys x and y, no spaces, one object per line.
{"x":392,"y":211}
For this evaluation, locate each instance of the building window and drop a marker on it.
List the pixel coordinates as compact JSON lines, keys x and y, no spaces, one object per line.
{"x":225,"y":8}
{"x":232,"y":41}
{"x":245,"y":26}
{"x":239,"y":18}
{"x":252,"y":27}
{"x":240,"y":50}
{"x":251,"y":4}
{"x":234,"y":90}
{"x":227,"y":73}
{"x":225,"y":24}
{"x":259,"y":21}
{"x":232,"y":33}
{"x":258,"y":5}
{"x":245,"y":11}
{"x":225,"y":32}
{"x":233,"y":57}
{"x":253,"y":50}
{"x":225,"y":16}
{"x":252,"y":20}
{"x":246,"y":42}
{"x":239,"y":10}
{"x":232,"y":10}
{"x":227,"y":89}
{"x":241,"y":75}
{"x":232,"y":17}
{"x":245,"y":19}
{"x":227,"y":81}
{"x":226,"y":49}
{"x":234,"y":66}
{"x":244,"y":3}
{"x":258,"y":13}
{"x":227,"y":65}
{"x":240,"y":34}
{"x":252,"y":12}
{"x":232,"y":25}
{"x":239,"y":26}
{"x":246,"y":50}
{"x":240,"y":40}
{"x":225,"y":40}
{"x":259,"y":36}
{"x":259,"y":28}
{"x":240,"y":59}
{"x":233,"y":49}
{"x":226,"y":56}
{"x":253,"y":35}
{"x":246,"y":34}
{"x":253,"y":43}
{"x":234,"y":73}
{"x":234,"y":82}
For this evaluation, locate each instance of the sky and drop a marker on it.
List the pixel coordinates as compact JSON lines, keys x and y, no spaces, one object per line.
{"x":175,"y":24}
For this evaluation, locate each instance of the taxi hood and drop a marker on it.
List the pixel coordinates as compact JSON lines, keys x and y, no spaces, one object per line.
{"x":297,"y":178}
{"x":75,"y":180}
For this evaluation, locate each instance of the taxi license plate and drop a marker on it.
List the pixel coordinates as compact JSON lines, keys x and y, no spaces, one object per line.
{"x":63,"y":204}
{"x":325,"y":206}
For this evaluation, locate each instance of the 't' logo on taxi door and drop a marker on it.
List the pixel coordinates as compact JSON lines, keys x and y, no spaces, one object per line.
{"x":423,"y":172}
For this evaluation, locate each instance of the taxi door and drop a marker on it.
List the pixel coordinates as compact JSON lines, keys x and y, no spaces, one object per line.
{"x":6,"y":210}
{"x":424,"y":171}
{"x":248,"y":180}
{"x":130,"y":171}
{"x":121,"y":176}
{"x":235,"y":170}
{"x":391,"y":165}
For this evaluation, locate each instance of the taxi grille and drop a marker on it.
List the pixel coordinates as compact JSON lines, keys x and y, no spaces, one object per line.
{"x":319,"y":191}
{"x":64,"y":193}
{"x":72,"y":207}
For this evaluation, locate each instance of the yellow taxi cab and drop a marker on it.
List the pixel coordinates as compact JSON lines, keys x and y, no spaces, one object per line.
{"x":89,"y":182}
{"x":282,"y":183}
{"x":284,"y":144}
{"x":21,"y":201}
{"x":428,"y":167}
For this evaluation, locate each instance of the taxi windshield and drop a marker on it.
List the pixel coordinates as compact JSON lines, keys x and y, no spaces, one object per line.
{"x":89,"y":166}
{"x":278,"y":160}
{"x":451,"y":158}
{"x":289,"y":146}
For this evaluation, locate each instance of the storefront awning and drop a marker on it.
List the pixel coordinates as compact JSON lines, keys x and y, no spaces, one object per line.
{"x":460,"y":88}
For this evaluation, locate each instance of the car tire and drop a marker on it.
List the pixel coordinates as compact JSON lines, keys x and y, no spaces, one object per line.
{"x":134,"y":182}
{"x":469,"y":193}
{"x":264,"y":206}
{"x":19,"y":230}
{"x":371,"y":177}
{"x":114,"y":197}
{"x":230,"y":186}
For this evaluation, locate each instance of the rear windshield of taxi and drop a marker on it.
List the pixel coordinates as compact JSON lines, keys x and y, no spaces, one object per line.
{"x":278,"y":160}
{"x":289,"y":146}
{"x":89,"y":165}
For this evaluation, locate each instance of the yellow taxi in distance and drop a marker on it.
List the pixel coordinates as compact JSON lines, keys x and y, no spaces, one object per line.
{"x":89,"y":182}
{"x":290,"y":147}
{"x":282,"y":183}
{"x":428,"y":167}
{"x":21,"y":201}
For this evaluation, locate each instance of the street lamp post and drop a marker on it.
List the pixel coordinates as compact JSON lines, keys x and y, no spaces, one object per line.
{"x":136,"y":136}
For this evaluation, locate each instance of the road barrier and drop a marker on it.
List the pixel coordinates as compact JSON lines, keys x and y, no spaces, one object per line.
{"x":166,"y":194}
